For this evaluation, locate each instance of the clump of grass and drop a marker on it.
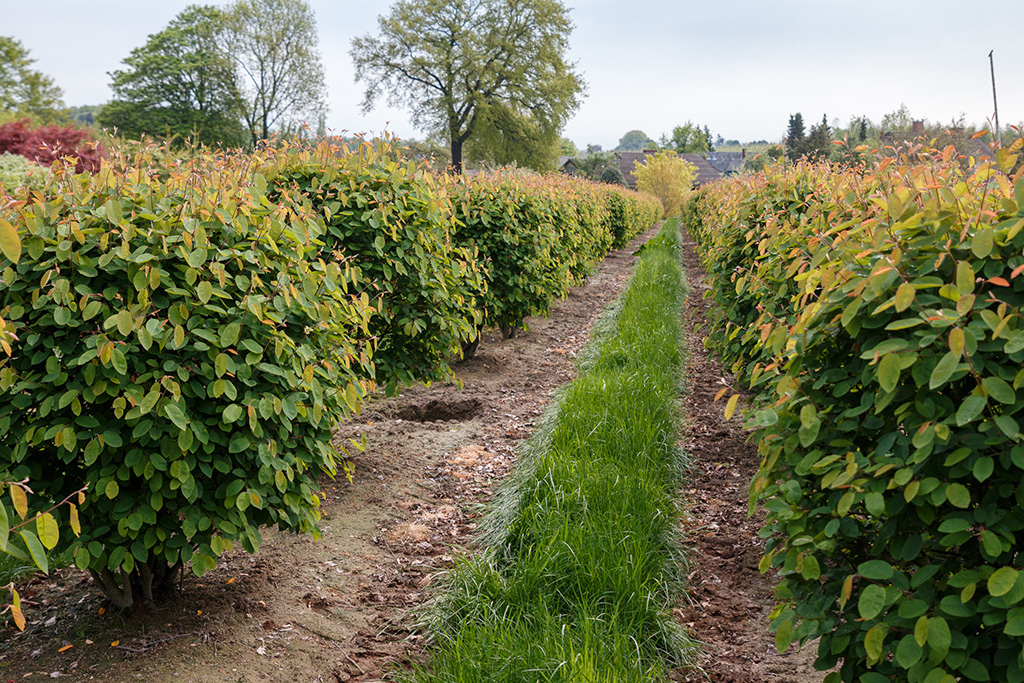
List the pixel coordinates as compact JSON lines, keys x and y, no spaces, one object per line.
{"x":12,"y":569}
{"x":582,"y":563}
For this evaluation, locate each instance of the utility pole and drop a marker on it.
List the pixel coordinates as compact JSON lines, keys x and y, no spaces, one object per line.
{"x":995,"y":104}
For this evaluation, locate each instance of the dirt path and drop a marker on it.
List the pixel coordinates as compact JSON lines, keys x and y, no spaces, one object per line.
{"x":731,"y":599}
{"x":340,"y":608}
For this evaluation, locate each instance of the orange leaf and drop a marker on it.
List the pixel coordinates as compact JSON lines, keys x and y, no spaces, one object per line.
{"x":979,"y":134}
{"x":20,"y":500}
{"x":1017,"y":271}
{"x":19,"y":618}
{"x":115,"y":643}
{"x":721,"y":393}
{"x":65,"y":648}
{"x":999,"y":281}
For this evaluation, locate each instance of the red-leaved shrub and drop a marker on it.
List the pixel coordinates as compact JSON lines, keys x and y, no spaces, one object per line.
{"x":46,"y":144}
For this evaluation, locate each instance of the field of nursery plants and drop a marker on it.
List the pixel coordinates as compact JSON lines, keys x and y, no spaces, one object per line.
{"x":202,"y":354}
{"x":319,"y":412}
{"x":873,"y":316}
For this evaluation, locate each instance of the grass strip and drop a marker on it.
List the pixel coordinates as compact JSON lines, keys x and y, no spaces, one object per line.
{"x":582,"y":562}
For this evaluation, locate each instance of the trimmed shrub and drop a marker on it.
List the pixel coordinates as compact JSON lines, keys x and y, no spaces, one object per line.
{"x":885,"y":346}
{"x":179,"y":355}
{"x":386,"y":218}
{"x":537,"y":235}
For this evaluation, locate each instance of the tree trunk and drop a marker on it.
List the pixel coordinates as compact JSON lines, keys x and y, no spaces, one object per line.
{"x":146,"y":582}
{"x":456,"y":155}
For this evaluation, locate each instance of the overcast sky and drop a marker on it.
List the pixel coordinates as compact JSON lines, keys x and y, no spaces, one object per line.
{"x":739,"y":66}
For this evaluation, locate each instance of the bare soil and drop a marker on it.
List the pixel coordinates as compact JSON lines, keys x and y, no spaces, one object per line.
{"x":343,"y":608}
{"x":730,"y":598}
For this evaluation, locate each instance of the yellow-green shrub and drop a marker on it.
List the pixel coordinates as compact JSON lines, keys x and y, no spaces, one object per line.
{"x":668,"y":177}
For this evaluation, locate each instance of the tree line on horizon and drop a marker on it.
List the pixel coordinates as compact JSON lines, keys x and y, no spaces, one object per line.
{"x":236,"y":76}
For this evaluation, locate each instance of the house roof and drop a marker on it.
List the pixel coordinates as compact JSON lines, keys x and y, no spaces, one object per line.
{"x":727,"y":162}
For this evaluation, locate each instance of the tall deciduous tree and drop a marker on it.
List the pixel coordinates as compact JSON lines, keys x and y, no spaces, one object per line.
{"x":688,"y":139}
{"x":635,"y":141}
{"x":181,"y":83}
{"x":463,"y":64}
{"x":23,"y":90}
{"x":277,"y":50}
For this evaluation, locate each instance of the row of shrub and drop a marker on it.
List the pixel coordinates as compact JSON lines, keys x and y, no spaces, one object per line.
{"x":581,"y":565}
{"x":186,"y":334}
{"x":876,"y":314}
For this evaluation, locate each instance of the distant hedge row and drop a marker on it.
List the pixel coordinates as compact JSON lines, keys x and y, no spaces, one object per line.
{"x":188,"y":334}
{"x":878,"y":315}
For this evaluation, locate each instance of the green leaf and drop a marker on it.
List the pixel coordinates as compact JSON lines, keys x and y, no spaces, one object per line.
{"x":1014,"y":626}
{"x":784,"y":636}
{"x":5,"y":527}
{"x":874,"y":503}
{"x":871,"y":601}
{"x":1007,"y":425}
{"x":999,"y":390}
{"x":944,"y":369}
{"x":125,"y":324}
{"x":873,"y":644}
{"x":938,"y":634}
{"x":232,"y":413}
{"x":111,"y":489}
{"x":91,"y":310}
{"x":220,"y":364}
{"x":35,"y":550}
{"x":149,"y":401}
{"x":119,"y":362}
{"x":981,"y":244}
{"x":921,"y":630}
{"x":964,"y":277}
{"x":970,"y":409}
{"x":889,"y":372}
{"x":229,"y":335}
{"x":204,"y":290}
{"x":176,"y":415}
{"x":878,"y":570}
{"x":82,"y":558}
{"x":908,"y":652}
{"x":983,"y":468}
{"x":1001,"y":581}
{"x":196,"y":258}
{"x":958,"y":495}
{"x":991,"y":543}
{"x":808,"y":415}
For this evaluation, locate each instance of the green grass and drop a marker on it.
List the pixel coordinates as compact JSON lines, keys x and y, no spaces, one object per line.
{"x":12,"y":569}
{"x":582,"y":563}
